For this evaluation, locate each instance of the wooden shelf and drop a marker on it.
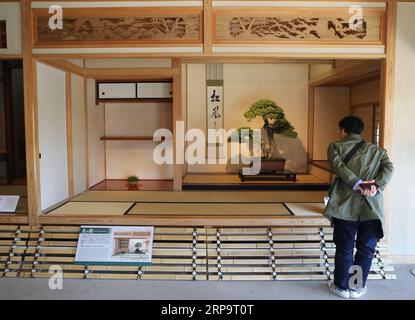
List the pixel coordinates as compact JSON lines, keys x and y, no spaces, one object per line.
{"x":142,"y":138}
{"x":136,"y":100}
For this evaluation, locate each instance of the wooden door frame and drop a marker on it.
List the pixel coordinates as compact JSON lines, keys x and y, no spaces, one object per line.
{"x":8,"y":120}
{"x":30,"y":91}
{"x":9,"y":126}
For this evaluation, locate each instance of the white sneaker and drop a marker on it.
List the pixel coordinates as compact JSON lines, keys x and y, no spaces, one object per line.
{"x":342,"y":293}
{"x":357,"y":293}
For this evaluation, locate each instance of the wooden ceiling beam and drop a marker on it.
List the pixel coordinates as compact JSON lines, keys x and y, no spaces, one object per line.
{"x":345,"y":73}
{"x":130,"y":73}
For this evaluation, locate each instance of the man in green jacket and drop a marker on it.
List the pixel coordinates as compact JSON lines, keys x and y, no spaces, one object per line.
{"x":355,"y":205}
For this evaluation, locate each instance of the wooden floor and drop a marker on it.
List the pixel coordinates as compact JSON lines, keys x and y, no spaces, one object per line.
{"x":122,"y":185}
{"x":212,"y":181}
{"x":234,"y":179}
{"x":193,"y":181}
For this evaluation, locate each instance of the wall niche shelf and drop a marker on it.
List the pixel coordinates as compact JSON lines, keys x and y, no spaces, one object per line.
{"x":140,"y":138}
{"x":141,"y":91}
{"x":136,"y":100}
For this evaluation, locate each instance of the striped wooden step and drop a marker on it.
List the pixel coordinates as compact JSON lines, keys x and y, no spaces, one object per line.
{"x":300,"y":253}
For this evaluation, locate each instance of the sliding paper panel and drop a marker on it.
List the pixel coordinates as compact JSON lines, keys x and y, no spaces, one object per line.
{"x":78,"y":134}
{"x":52,"y":135}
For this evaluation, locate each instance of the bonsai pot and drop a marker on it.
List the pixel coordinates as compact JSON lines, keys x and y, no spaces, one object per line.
{"x":271,"y":165}
{"x":134,"y":185}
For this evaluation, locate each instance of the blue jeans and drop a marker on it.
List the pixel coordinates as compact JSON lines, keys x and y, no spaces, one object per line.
{"x":344,"y":238}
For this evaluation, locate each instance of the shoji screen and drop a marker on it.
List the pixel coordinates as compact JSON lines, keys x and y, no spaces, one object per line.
{"x":52,"y":135}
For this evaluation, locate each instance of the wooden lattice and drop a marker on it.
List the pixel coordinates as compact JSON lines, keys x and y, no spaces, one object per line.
{"x":182,"y":253}
{"x":105,"y":29}
{"x":253,"y":28}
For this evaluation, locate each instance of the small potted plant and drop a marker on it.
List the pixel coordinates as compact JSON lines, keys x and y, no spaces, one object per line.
{"x":133,"y":181}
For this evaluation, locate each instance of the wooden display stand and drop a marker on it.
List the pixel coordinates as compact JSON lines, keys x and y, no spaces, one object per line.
{"x":284,"y":175}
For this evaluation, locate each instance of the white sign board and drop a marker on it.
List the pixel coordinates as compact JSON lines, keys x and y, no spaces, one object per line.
{"x":8,"y":203}
{"x":114,"y":245}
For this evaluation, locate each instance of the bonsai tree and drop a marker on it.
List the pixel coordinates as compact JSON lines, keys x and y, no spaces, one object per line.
{"x":133,"y":180}
{"x":138,"y":246}
{"x":244,"y":137}
{"x":274,"y":122}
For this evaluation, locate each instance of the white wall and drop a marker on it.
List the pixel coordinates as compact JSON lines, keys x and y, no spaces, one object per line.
{"x":10,"y":11}
{"x":331,"y":104}
{"x":401,"y":207}
{"x":96,"y":129}
{"x":317,"y":70}
{"x":124,"y":158}
{"x":365,"y":92}
{"x":366,"y":114}
{"x":78,"y":133}
{"x":244,"y":84}
{"x":52,"y":135}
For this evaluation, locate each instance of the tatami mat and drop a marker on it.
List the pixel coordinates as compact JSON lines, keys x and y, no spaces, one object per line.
{"x":202,"y":196}
{"x":227,"y":209}
{"x":306,"y":209}
{"x":92,"y":208}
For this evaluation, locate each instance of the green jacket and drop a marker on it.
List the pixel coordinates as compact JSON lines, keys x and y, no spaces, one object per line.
{"x":370,"y":162}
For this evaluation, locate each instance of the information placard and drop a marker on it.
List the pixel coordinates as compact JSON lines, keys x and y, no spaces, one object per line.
{"x":8,"y":203}
{"x":115,"y":245}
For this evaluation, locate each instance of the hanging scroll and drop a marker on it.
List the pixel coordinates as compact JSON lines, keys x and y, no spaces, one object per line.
{"x":215,"y":104}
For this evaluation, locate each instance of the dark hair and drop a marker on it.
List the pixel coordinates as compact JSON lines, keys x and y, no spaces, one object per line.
{"x":352,"y":124}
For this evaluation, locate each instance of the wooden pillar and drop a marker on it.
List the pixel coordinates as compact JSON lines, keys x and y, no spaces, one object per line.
{"x":8,"y":117}
{"x":387,"y":79}
{"x":177,"y":168}
{"x":31,"y":119}
{"x":207,"y":26}
{"x":388,"y":76}
{"x":86,"y":128}
{"x":69,"y":133}
{"x":310,"y":135}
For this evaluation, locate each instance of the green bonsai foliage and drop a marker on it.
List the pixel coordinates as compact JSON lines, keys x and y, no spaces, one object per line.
{"x":274,"y":122}
{"x":138,"y":247}
{"x":245,"y":137}
{"x":133,"y":179}
{"x":273,"y":116}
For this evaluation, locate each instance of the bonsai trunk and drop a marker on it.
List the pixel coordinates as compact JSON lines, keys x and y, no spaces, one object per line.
{"x":268,"y":162}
